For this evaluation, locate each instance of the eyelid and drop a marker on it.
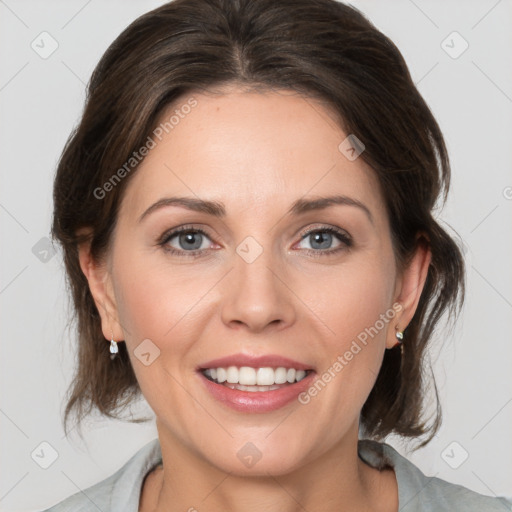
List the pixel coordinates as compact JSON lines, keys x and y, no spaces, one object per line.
{"x":173,"y":232}
{"x":342,"y":235}
{"x":323,"y":227}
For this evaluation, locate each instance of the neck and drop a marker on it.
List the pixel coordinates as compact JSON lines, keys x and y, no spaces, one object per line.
{"x":336,"y":481}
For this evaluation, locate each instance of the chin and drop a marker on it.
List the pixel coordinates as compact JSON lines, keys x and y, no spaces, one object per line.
{"x":276,"y":464}
{"x":256,"y":456}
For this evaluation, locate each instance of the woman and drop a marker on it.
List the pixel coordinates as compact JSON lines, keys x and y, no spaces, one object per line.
{"x":246,"y":216}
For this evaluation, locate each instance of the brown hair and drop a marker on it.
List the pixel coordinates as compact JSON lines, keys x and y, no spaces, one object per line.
{"x":322,"y":49}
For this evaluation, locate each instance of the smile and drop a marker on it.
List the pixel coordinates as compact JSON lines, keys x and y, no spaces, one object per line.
{"x":251,"y":379}
{"x":255,"y":384}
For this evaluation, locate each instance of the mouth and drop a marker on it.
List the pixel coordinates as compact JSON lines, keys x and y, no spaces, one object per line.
{"x":255,"y":384}
{"x":247,"y":378}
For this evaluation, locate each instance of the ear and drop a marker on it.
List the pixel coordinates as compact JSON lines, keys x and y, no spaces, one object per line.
{"x":100,"y":285}
{"x":409,"y":287}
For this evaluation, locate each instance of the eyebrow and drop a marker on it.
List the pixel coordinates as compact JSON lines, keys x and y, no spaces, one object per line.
{"x":305,"y":205}
{"x":217,"y":209}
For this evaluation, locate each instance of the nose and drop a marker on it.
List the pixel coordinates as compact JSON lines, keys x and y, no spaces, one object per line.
{"x":257,"y":295}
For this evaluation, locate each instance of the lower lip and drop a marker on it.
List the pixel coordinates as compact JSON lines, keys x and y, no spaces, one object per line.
{"x":257,"y":401}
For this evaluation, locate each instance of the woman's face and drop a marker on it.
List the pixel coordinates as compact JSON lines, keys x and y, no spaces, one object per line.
{"x":272,"y":277}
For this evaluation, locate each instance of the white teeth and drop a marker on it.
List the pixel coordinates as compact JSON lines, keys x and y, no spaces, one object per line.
{"x":265,"y":377}
{"x":252,"y":388}
{"x":247,"y":376}
{"x":280,"y":375}
{"x":255,"y":378}
{"x":232,"y":375}
{"x":221,"y":375}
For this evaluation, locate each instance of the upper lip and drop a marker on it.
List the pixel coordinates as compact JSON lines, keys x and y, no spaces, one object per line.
{"x":269,"y":360}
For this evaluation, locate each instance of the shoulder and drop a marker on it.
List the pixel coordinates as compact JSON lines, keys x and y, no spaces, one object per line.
{"x":418,"y":492}
{"x":120,"y":491}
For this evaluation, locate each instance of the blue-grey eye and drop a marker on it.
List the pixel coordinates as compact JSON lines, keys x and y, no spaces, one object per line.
{"x":320,"y":240}
{"x":190,"y":240}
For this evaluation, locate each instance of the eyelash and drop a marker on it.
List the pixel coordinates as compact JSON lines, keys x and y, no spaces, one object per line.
{"x":342,"y":236}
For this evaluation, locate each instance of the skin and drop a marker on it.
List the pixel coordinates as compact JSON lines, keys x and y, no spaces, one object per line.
{"x":257,"y":153}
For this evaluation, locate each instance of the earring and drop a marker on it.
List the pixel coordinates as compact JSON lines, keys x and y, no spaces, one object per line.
{"x":400,"y":337}
{"x":113,"y":348}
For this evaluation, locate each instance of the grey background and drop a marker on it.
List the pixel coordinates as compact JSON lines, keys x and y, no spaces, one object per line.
{"x":41,"y":100}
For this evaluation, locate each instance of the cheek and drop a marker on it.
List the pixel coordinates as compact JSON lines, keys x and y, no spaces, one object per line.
{"x":355,"y":297}
{"x":159,"y":301}
{"x":157,"y":304}
{"x":358,"y":312}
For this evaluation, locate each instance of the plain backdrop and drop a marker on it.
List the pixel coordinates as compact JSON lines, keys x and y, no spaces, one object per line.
{"x":470,"y":93}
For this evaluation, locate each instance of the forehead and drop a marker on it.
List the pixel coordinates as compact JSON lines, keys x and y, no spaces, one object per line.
{"x":250,"y":150}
